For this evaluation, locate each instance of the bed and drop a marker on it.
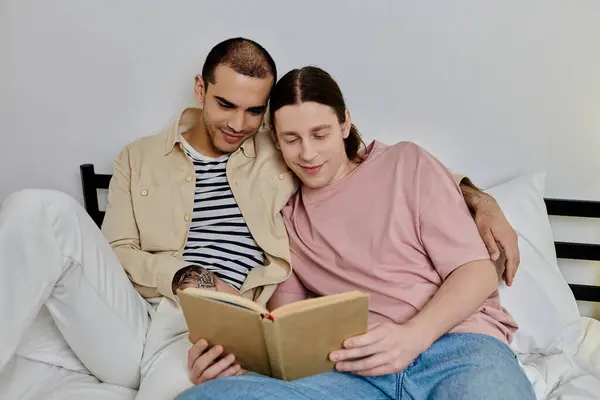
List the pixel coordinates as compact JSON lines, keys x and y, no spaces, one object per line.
{"x":568,"y":377}
{"x":558,"y":348}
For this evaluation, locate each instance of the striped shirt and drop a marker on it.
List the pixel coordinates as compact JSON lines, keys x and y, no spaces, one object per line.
{"x":219,"y":239}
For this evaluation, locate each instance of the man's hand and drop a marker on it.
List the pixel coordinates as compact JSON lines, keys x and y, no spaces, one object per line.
{"x":205,"y":365}
{"x":495,"y":230}
{"x":385,"y":349}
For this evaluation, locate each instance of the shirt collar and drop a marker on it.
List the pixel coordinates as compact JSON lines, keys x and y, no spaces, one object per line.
{"x":189,"y":118}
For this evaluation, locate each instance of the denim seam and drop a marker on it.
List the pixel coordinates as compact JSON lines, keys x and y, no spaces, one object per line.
{"x":399,"y":385}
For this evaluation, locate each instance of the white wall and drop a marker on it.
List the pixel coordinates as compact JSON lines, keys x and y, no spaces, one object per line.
{"x":493,"y":88}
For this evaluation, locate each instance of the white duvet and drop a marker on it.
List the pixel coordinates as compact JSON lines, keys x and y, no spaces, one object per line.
{"x":558,"y":377}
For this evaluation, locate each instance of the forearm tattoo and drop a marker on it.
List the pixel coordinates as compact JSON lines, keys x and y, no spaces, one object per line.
{"x":197,"y":276}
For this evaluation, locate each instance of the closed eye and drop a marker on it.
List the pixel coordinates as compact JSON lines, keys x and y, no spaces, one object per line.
{"x":256,"y":111}
{"x":226,"y":105}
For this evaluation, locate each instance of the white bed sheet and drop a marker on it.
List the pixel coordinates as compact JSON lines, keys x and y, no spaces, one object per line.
{"x":559,"y":377}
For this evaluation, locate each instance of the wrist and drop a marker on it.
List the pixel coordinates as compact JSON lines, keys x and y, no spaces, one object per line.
{"x":194,"y":276}
{"x":423,"y":331}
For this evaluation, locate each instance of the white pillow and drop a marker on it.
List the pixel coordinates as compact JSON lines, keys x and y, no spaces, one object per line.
{"x":540,"y":299}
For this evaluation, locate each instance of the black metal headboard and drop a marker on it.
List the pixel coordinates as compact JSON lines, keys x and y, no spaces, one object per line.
{"x":92,"y":182}
{"x":577,"y":251}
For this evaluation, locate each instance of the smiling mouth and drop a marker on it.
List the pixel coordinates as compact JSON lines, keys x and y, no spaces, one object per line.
{"x":232,"y":138}
{"x":311,"y":169}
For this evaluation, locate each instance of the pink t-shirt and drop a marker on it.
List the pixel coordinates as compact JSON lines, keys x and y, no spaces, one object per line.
{"x":394,"y":228}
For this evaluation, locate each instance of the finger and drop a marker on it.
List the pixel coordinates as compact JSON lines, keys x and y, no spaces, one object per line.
{"x":214,"y":370}
{"x":371,"y":337}
{"x":241,"y":372}
{"x":490,"y":244}
{"x":204,"y":361}
{"x":513,"y":259}
{"x":355,"y":352}
{"x":231,"y":371}
{"x":196,"y":351}
{"x":372,"y":362}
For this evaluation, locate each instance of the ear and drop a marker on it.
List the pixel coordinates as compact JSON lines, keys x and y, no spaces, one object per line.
{"x":347,"y":125}
{"x":199,"y":90}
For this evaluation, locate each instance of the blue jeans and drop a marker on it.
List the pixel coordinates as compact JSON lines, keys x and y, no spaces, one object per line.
{"x":457,"y":366}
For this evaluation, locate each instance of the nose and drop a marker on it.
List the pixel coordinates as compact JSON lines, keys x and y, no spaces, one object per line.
{"x":308,"y":152}
{"x":236,"y":122}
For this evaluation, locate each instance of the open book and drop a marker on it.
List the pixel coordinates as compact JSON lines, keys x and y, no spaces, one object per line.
{"x":291,"y":342}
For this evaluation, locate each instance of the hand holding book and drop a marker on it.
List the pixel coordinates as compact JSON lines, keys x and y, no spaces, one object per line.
{"x":291,"y":342}
{"x":206,"y":363}
{"x":386,"y":348}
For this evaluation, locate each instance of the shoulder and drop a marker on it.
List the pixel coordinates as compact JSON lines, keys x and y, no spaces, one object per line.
{"x":410,"y":163}
{"x":145,"y":149}
{"x":408,"y":155}
{"x":408,"y":150}
{"x":262,"y":163}
{"x":266,"y":152}
{"x":264,"y":144}
{"x":148,"y":144}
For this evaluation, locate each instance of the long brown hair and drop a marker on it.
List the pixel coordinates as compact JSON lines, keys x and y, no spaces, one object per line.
{"x":312,"y":84}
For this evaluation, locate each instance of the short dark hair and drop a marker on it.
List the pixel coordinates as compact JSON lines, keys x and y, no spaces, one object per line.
{"x":312,"y":84}
{"x":244,"y":56}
